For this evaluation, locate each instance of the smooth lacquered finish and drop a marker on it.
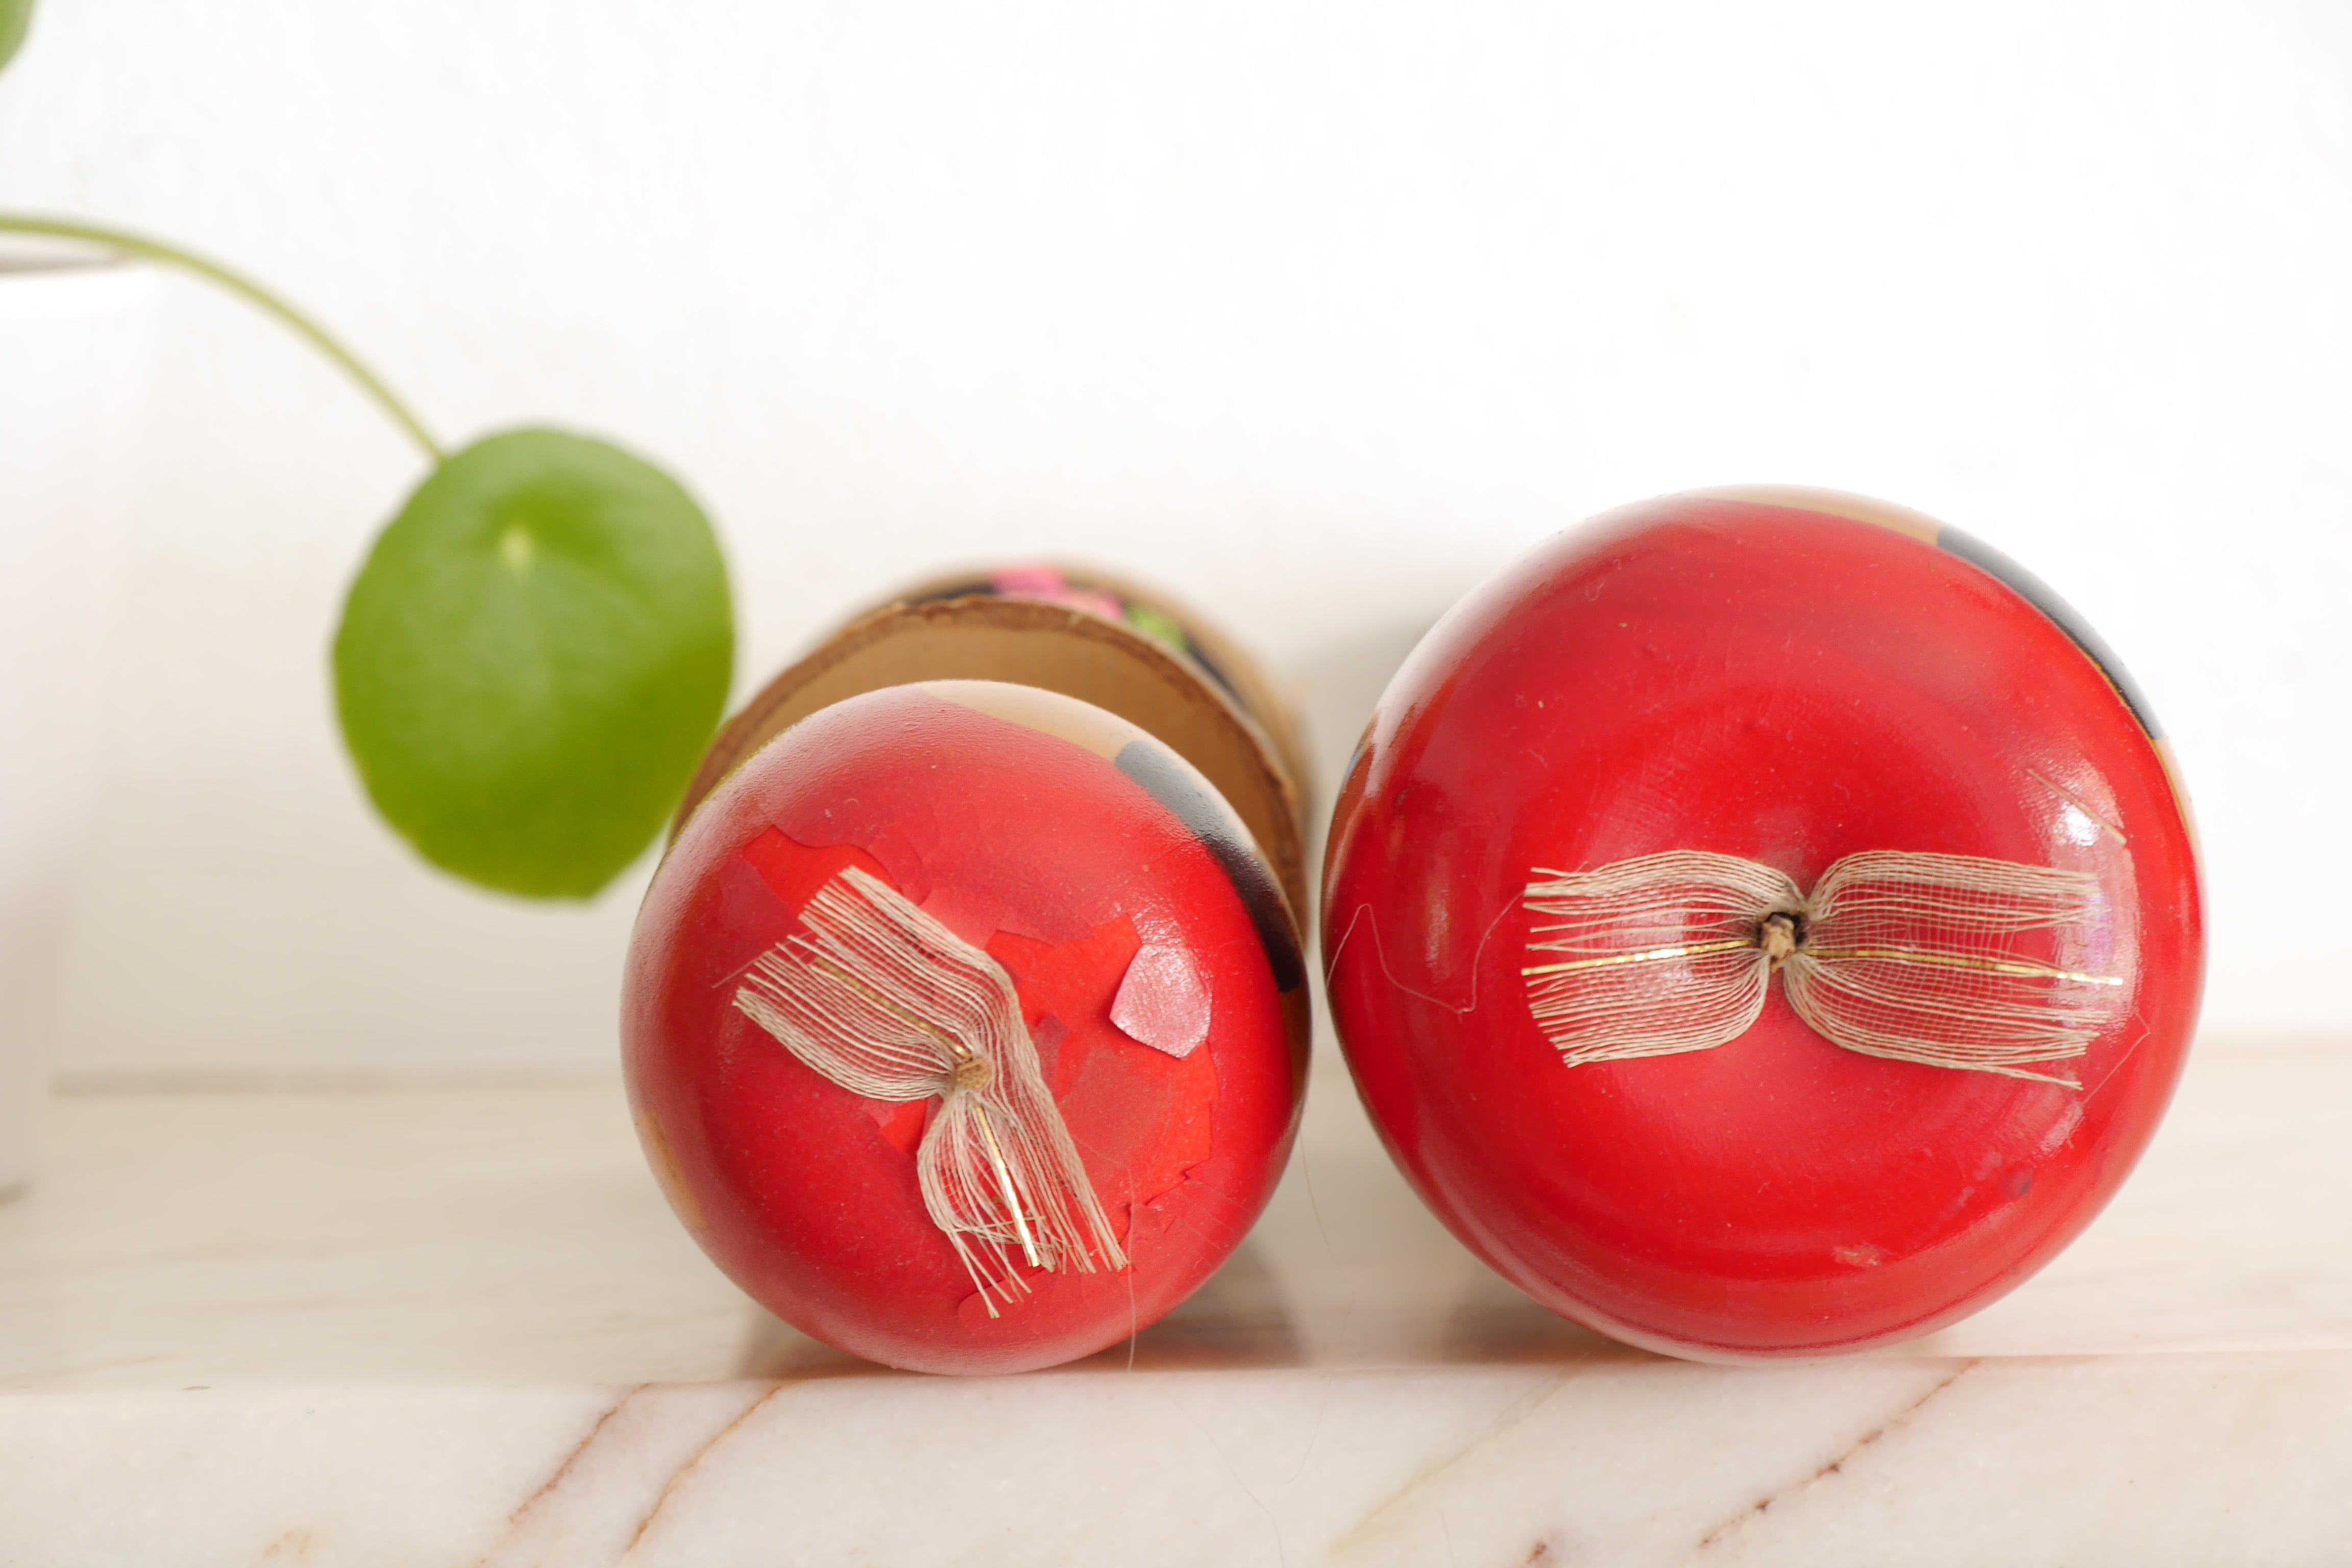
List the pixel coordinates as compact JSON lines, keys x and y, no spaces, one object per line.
{"x":1792,"y":679}
{"x":1157,"y":974}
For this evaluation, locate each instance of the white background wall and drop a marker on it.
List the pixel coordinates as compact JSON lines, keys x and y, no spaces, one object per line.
{"x":1315,"y":314}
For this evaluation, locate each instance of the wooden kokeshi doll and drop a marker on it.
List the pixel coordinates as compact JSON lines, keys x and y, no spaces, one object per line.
{"x":965,"y":1022}
{"x":1763,"y":923}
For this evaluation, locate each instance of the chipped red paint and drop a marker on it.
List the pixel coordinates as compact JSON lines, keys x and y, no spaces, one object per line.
{"x":1057,"y":862}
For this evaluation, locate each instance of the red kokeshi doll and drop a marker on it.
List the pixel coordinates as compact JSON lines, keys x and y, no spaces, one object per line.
{"x":1763,"y":923}
{"x":965,"y":1020}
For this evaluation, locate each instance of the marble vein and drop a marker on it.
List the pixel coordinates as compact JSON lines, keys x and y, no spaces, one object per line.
{"x":595,"y":1504}
{"x":1836,"y":1465}
{"x":562,"y":1470}
{"x":677,"y":1476}
{"x":1508,"y":1421}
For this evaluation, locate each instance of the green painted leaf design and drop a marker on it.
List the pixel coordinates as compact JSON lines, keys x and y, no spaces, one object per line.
{"x":16,"y":19}
{"x":532,"y":660}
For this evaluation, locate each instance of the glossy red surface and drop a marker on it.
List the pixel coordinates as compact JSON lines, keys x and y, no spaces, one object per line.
{"x":1775,"y":683}
{"x":1041,"y":849}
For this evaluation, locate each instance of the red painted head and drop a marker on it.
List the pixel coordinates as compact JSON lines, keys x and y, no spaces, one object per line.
{"x":964,"y":1027}
{"x":1896,"y":1022}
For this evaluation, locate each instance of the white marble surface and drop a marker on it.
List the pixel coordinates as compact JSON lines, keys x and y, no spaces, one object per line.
{"x":455,"y":1326}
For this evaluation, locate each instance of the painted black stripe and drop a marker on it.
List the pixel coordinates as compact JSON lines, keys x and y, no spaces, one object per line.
{"x":1201,"y":809}
{"x":958,"y":591}
{"x":2061,"y":614}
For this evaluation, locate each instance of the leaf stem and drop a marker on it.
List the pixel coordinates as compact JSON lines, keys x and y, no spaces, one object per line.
{"x":244,"y":288}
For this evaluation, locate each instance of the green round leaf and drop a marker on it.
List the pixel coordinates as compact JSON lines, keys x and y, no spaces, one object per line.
{"x":532,"y":660}
{"x":15,"y":20}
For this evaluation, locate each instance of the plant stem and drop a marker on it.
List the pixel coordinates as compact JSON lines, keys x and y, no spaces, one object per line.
{"x":244,"y":288}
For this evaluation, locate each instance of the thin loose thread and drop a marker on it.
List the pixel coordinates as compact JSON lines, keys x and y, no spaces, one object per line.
{"x":887,"y":1001}
{"x":1907,"y":956}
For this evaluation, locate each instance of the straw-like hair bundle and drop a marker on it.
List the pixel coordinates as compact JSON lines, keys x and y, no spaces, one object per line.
{"x":885,"y":1001}
{"x":1945,"y":960}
